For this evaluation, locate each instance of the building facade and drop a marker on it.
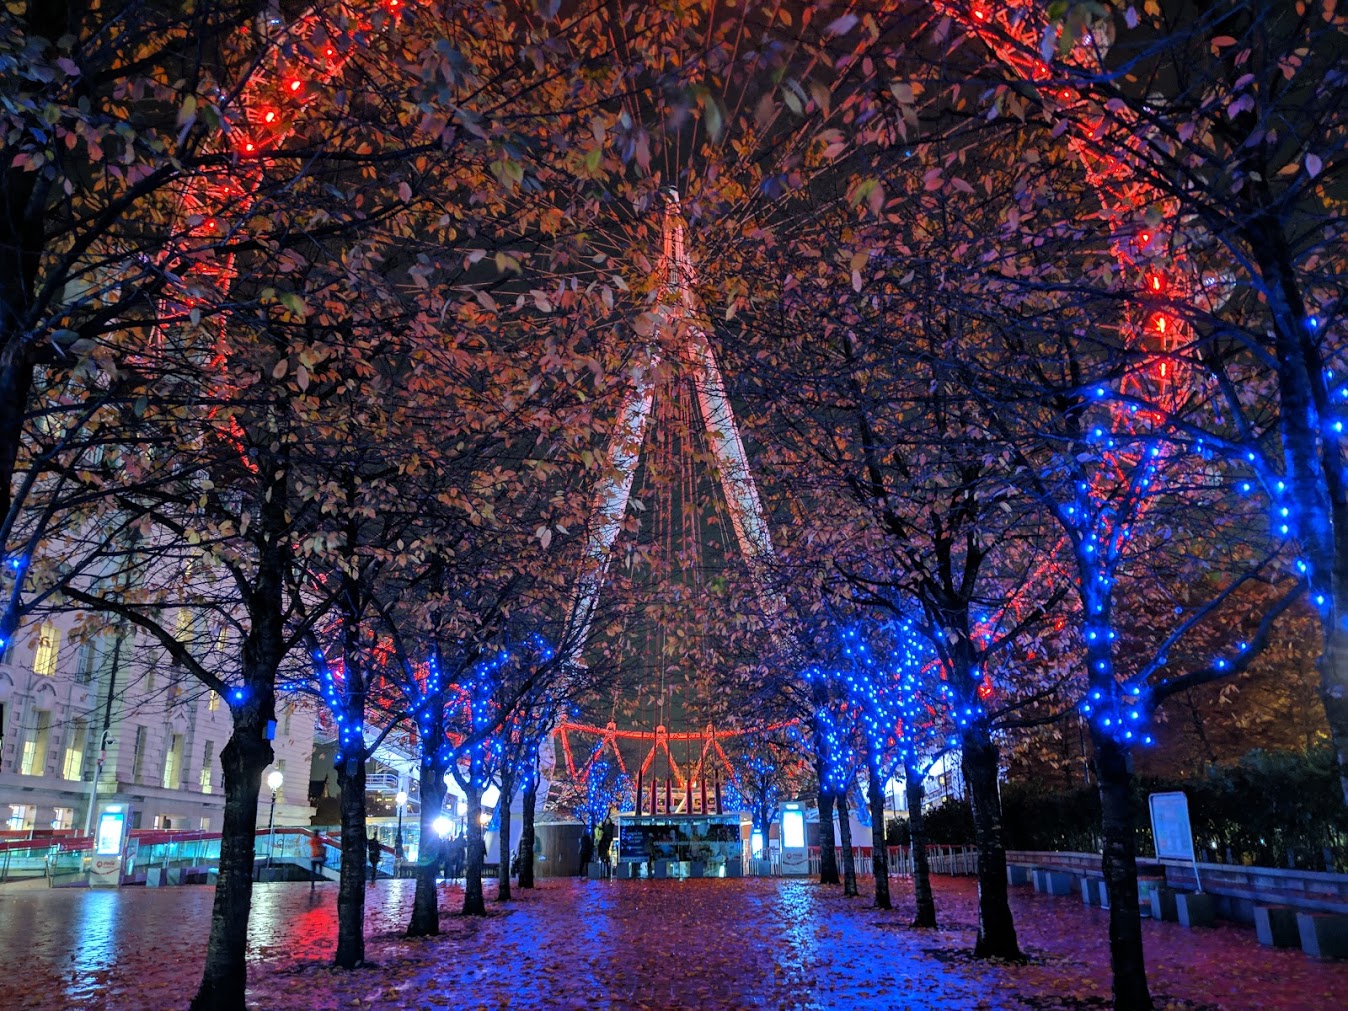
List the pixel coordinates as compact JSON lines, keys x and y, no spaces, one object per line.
{"x":60,"y":686}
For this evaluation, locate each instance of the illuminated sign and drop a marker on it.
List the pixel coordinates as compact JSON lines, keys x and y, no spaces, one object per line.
{"x":111,"y":827}
{"x":793,"y":830}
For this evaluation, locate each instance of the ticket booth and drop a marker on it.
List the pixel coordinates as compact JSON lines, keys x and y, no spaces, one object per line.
{"x":795,"y":854}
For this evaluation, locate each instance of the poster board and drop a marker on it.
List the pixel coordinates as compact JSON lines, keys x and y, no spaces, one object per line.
{"x":633,"y":842}
{"x":1170,"y":827}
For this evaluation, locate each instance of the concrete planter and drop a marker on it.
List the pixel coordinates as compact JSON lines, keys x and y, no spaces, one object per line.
{"x":1196,"y":909}
{"x":1277,"y":927}
{"x":1324,"y":935}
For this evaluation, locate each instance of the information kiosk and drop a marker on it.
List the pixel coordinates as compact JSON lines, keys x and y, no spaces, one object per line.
{"x":795,"y":853}
{"x":110,"y":836}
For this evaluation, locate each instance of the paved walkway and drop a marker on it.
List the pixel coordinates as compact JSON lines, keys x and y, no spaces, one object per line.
{"x":641,"y":944}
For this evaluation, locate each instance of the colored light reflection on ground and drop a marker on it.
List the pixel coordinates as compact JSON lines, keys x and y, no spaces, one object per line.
{"x":656,"y":944}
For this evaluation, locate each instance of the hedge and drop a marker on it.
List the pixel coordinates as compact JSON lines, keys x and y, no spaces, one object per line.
{"x":1272,"y":809}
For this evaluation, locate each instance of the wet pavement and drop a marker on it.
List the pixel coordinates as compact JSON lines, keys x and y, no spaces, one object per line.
{"x":629,"y":944}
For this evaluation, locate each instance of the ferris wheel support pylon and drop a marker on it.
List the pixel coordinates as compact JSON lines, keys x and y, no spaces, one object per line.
{"x":675,"y":321}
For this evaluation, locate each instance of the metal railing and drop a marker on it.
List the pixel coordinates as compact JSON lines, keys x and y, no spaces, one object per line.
{"x":66,"y":860}
{"x":949,"y":860}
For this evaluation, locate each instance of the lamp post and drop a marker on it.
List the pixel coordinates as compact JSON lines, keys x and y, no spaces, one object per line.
{"x":401,"y":801}
{"x":274,"y":780}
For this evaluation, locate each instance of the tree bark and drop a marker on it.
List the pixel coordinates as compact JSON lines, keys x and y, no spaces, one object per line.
{"x":16,"y":380}
{"x":917,"y":838}
{"x":425,"y":921}
{"x":503,"y":863}
{"x":875,"y":793}
{"x":473,"y":902}
{"x":527,"y":834}
{"x":1120,"y":869}
{"x":849,"y":861}
{"x":1313,"y":465}
{"x":828,"y":857}
{"x":1334,"y":697}
{"x":351,"y":886}
{"x":1333,"y":662}
{"x":996,"y":930}
{"x":242,"y":760}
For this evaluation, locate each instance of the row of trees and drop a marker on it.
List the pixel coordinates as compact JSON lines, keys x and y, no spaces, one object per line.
{"x":314,"y":325}
{"x":1058,"y":393}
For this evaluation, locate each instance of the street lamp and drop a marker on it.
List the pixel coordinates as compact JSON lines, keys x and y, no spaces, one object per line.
{"x":274,"y":781}
{"x":401,"y":801}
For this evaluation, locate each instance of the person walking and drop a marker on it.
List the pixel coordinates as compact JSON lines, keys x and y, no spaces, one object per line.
{"x":586,"y":853}
{"x":458,"y":856}
{"x":375,"y":851}
{"x":318,"y":851}
{"x":606,"y":831}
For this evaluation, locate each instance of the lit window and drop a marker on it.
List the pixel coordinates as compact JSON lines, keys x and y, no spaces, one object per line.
{"x":138,"y":754}
{"x":33,"y":758}
{"x":20,"y":817}
{"x":214,"y":702}
{"x":63,"y":818}
{"x":72,"y":765}
{"x":48,"y":641}
{"x":206,"y":756}
{"x":173,"y":762}
{"x":86,"y":662}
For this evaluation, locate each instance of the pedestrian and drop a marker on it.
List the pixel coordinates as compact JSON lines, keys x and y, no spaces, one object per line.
{"x":606,"y":831}
{"x":318,"y":852}
{"x":458,"y":854}
{"x":375,"y":852}
{"x":586,"y":852}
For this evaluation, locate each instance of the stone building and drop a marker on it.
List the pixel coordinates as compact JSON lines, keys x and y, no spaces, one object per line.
{"x":58,"y":685}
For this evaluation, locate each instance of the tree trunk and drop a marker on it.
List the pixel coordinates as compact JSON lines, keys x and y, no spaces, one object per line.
{"x":473,"y":902}
{"x":849,"y":861}
{"x":425,"y":921}
{"x":503,"y":847}
{"x":996,"y":930}
{"x":16,"y":380}
{"x":917,"y":838}
{"x":242,"y":759}
{"x":1333,"y":666}
{"x":1120,"y":869}
{"x":527,"y":834}
{"x":351,"y":886}
{"x":875,"y":793}
{"x":1313,"y":468}
{"x":828,"y":857}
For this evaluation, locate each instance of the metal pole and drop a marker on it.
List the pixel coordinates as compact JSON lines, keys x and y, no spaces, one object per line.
{"x":104,"y":738}
{"x":271,"y":831}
